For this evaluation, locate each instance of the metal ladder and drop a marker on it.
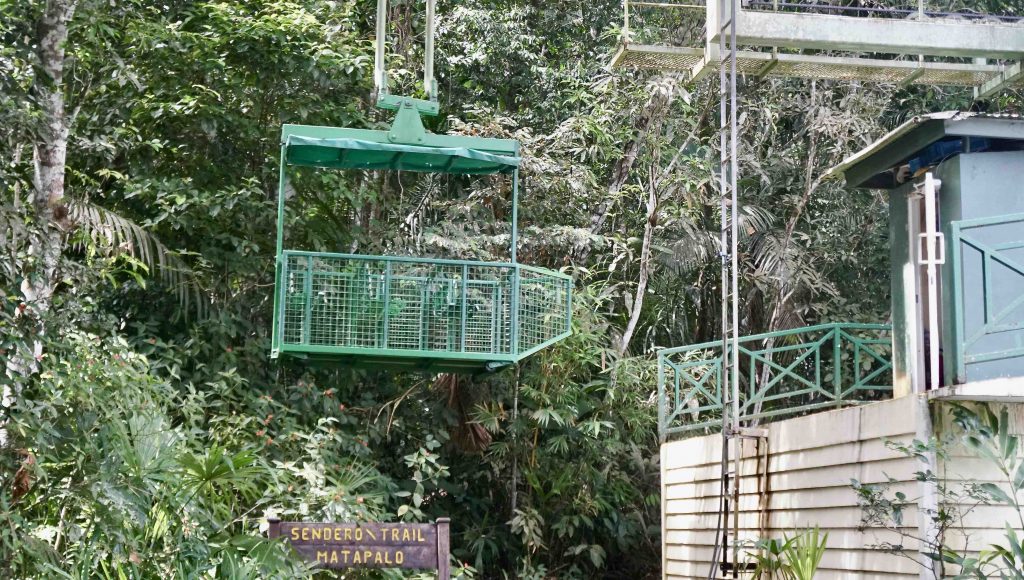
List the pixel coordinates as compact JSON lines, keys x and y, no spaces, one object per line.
{"x":729,"y":548}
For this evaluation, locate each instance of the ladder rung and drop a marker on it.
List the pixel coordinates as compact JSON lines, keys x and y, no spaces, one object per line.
{"x":749,"y":433}
{"x":744,"y":567}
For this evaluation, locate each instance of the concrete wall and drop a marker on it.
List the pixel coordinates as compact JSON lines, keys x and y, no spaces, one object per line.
{"x":811,"y":462}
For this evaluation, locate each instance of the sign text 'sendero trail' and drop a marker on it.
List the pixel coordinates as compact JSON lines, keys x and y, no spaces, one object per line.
{"x":369,"y":545}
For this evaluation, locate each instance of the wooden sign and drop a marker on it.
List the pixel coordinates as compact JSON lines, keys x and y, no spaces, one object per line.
{"x":371,"y":545}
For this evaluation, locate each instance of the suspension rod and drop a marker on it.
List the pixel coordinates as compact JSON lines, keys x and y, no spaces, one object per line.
{"x":380,"y":73}
{"x":429,"y":85}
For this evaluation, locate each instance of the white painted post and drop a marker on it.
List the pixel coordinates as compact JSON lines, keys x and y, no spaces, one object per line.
{"x":928,"y":512}
{"x":934,"y":256}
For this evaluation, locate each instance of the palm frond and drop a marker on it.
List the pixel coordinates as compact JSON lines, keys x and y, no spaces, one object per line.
{"x":755,"y":219}
{"x":116,"y":233}
{"x":690,"y":248}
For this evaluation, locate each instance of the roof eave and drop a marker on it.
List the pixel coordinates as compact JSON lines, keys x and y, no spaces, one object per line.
{"x":899,"y":145}
{"x":870,"y":161}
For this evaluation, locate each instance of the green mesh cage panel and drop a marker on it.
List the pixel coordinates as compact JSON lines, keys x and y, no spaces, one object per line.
{"x":543,"y":307}
{"x":405,"y":307}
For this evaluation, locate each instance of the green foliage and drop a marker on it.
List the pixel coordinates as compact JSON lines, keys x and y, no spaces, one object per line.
{"x":989,"y":435}
{"x":108,"y":483}
{"x":804,"y":552}
{"x":155,"y":438}
{"x":791,"y":558}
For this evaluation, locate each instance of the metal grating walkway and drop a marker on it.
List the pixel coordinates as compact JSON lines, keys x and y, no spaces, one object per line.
{"x":766,"y":64}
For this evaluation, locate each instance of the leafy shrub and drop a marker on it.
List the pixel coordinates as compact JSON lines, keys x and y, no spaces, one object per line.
{"x":792,"y":558}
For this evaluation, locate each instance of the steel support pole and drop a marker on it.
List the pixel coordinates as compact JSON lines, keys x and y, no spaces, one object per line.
{"x":380,"y":79}
{"x":734,"y":375}
{"x":429,"y":84}
{"x":729,"y":206}
{"x":934,"y":256}
{"x":279,"y":261}
{"x":515,"y":298}
{"x":928,"y":508}
{"x":929,"y":526}
{"x":515,"y":215}
{"x":723,"y":187}
{"x":735,"y":211}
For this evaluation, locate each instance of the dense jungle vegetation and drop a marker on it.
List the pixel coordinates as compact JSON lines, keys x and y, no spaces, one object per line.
{"x":147,"y":433}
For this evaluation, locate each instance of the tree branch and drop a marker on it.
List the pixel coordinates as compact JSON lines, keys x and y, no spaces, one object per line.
{"x":650,"y":121}
{"x":645,"y":263}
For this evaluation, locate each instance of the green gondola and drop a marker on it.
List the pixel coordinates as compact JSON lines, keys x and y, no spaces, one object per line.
{"x":400,"y":312}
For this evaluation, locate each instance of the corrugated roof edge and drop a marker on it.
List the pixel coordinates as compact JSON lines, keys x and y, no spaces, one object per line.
{"x":839,"y":171}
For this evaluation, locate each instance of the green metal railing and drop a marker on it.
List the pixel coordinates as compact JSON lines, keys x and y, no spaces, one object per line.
{"x":338,"y":304}
{"x":987,"y":258}
{"x":782,"y":373}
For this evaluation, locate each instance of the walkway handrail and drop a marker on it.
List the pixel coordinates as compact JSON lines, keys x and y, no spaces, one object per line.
{"x":788,"y":372}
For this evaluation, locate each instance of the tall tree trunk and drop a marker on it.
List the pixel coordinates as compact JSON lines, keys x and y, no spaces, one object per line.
{"x":783,"y":293}
{"x":654,"y":185}
{"x":50,"y":156}
{"x":50,"y":150}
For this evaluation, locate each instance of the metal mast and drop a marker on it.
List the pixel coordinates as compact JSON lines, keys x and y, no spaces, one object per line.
{"x":728,"y":177}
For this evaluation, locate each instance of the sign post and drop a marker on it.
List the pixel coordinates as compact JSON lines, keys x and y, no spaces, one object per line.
{"x":370,"y":545}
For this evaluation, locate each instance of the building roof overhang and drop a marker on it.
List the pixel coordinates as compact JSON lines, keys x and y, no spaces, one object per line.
{"x":873,"y":166}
